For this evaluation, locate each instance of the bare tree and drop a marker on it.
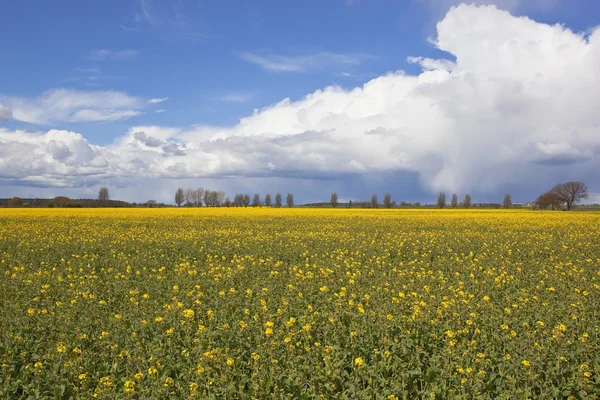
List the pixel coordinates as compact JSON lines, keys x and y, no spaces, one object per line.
{"x":507,"y":202}
{"x":256,"y":200}
{"x":467,"y":201}
{"x":220,"y":198}
{"x":238,"y":200}
{"x":15,"y":202}
{"x":188,"y":196}
{"x":246,"y":200}
{"x":454,"y":201}
{"x":103,"y":195}
{"x":199,"y":196}
{"x":213,"y":198}
{"x":374,"y":201}
{"x":179,"y":197}
{"x":151,"y":203}
{"x":227,"y":202}
{"x":546,"y":200}
{"x":387,"y":200}
{"x":570,"y":192}
{"x":278,"y":200}
{"x":334,"y":199}
{"x":289,"y":200}
{"x":268,"y":200}
{"x":61,"y":201}
{"x":208,"y":197}
{"x":441,"y":200}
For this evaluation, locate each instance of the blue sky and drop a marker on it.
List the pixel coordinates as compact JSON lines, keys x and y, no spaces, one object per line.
{"x":102,"y":70}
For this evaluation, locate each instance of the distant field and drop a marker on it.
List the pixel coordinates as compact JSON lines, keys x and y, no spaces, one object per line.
{"x":299,"y":303}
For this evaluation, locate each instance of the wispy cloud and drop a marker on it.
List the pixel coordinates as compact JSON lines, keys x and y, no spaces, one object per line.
{"x":172,"y":17}
{"x":159,"y":111}
{"x":105,"y":54}
{"x":270,"y":63}
{"x":147,"y":13}
{"x":157,"y":100}
{"x":95,"y":71}
{"x":131,"y":28}
{"x":237,"y":97}
{"x":58,"y":105}
{"x":298,"y":63}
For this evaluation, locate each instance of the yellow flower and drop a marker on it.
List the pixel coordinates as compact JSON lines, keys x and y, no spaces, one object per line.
{"x":152,"y":371}
{"x":168,"y":382}
{"x":129,"y":386}
{"x":358,"y":361}
{"x":60,"y":348}
{"x":105,"y":381}
{"x":230,"y":362}
{"x":82,"y":377}
{"x":526,"y":363}
{"x":188,"y":313}
{"x":269,"y":332}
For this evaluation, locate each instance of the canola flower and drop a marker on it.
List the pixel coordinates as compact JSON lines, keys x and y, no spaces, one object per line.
{"x":288,"y":303}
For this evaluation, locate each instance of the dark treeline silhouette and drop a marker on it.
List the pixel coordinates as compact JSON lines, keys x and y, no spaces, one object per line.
{"x":65,"y":202}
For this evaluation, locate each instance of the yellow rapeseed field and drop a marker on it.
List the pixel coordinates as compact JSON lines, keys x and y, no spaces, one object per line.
{"x":297,"y":303}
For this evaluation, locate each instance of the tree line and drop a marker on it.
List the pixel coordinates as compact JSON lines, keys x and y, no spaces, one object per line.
{"x":214,"y":198}
{"x":561,"y":195}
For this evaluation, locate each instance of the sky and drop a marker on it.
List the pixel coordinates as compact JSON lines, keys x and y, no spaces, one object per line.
{"x":409,"y":97}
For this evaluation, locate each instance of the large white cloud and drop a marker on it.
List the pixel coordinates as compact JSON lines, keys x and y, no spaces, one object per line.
{"x":517,"y":105}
